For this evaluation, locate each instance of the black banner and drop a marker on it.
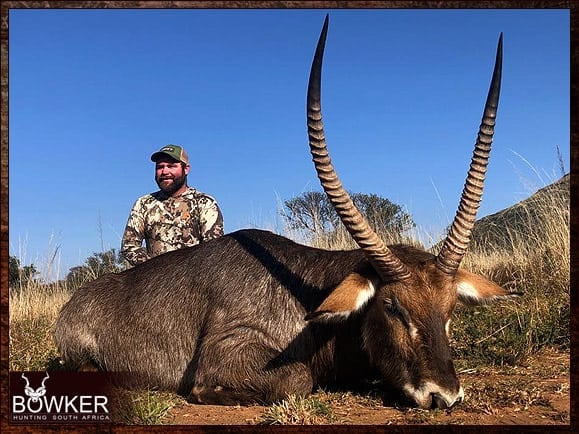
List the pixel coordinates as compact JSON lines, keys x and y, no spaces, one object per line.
{"x":57,"y":397}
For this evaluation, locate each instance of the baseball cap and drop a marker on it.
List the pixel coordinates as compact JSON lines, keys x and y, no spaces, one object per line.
{"x":173,"y":151}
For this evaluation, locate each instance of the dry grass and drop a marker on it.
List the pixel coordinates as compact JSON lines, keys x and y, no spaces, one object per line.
{"x":37,"y":301}
{"x":535,"y":260}
{"x":33,"y":312}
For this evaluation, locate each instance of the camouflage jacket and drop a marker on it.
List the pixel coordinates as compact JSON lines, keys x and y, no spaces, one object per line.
{"x":168,"y":223}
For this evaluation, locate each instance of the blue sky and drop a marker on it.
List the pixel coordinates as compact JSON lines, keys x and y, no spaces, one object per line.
{"x":92,"y":93}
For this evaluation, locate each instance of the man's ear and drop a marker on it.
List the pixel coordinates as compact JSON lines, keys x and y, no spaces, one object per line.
{"x":349,"y":296}
{"x":186,"y":169}
{"x":474,"y":290}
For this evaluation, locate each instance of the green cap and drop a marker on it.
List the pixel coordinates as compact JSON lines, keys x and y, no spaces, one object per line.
{"x":174,"y":151}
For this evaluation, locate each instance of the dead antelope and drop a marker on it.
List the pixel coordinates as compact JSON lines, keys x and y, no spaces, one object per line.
{"x":253,"y":317}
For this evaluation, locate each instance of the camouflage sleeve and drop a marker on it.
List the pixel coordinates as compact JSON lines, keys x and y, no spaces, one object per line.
{"x":132,"y":243}
{"x":211,"y":219}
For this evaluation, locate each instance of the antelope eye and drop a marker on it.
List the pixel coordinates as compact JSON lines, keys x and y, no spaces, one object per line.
{"x":393,"y":307}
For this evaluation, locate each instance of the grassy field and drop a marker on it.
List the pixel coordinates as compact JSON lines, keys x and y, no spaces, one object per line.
{"x":535,"y":260}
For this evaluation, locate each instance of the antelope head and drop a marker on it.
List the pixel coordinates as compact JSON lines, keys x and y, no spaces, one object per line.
{"x":408,"y":295}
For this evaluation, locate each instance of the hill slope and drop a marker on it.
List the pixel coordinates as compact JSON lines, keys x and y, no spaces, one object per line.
{"x":525,"y":221}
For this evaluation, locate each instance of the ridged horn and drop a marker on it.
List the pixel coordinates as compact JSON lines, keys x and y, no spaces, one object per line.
{"x":458,"y":238}
{"x":388,"y":266}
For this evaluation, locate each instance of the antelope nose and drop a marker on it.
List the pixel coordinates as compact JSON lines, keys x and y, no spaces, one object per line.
{"x":439,"y":402}
{"x":458,"y":401}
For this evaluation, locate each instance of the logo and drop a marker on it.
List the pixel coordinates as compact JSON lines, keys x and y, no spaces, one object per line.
{"x":33,"y":394}
{"x":62,"y":397}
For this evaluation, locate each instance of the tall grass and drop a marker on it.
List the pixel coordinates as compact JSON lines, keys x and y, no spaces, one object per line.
{"x":33,"y":310}
{"x":533,"y":257}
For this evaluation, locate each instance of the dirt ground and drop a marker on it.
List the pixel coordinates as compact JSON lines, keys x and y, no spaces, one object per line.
{"x":537,"y":393}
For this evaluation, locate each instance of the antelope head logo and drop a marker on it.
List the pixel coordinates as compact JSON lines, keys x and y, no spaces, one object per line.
{"x":35,"y":394}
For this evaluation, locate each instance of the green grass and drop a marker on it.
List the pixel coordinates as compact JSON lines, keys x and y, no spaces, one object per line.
{"x":295,"y":410}
{"x":143,"y":407}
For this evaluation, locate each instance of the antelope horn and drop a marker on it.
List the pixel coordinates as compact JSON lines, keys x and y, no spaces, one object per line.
{"x":458,"y":237}
{"x":388,"y":266}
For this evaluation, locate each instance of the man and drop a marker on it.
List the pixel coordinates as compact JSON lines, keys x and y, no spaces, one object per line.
{"x":174,"y":217}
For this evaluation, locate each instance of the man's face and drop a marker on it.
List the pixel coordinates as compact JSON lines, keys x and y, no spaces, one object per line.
{"x":170,"y":174}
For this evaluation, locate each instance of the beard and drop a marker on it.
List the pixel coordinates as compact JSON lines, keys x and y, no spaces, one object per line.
{"x":170,"y":184}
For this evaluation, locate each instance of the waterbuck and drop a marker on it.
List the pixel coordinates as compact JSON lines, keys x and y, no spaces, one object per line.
{"x":253,"y":316}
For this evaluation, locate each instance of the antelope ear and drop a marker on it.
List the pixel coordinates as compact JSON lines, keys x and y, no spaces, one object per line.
{"x":349,"y":296}
{"x":474,"y":290}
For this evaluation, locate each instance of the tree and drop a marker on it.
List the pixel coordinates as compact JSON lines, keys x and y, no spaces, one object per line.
{"x":94,"y":266}
{"x":384,"y":216}
{"x":20,"y":276}
{"x":313,"y":213}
